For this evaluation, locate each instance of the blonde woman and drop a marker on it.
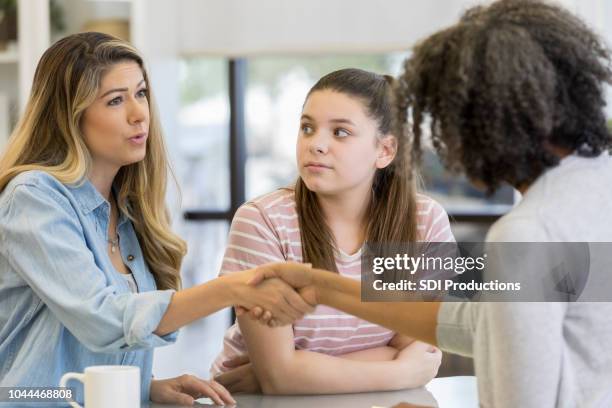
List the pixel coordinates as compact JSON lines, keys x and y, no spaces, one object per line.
{"x":89,"y":268}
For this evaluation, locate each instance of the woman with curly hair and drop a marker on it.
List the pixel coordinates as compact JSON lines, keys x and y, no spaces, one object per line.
{"x":514,"y":94}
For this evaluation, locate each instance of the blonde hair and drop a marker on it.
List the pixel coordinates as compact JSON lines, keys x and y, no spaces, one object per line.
{"x":48,"y":137}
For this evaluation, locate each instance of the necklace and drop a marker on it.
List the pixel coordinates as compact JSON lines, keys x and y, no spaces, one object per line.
{"x":114,"y":243}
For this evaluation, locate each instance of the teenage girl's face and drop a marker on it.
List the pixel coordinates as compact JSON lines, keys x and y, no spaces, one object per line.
{"x":339,"y":146}
{"x":116,"y":125}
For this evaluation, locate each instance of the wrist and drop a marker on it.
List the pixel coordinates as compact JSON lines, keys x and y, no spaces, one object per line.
{"x":236,"y":284}
{"x":153,"y":389}
{"x":233,"y":285}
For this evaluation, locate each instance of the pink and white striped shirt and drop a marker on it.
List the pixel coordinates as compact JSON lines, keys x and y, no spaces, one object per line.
{"x":266,"y":230}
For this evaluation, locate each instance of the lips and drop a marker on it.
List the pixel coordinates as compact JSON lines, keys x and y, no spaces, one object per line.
{"x":316,"y":165}
{"x":140,"y":138}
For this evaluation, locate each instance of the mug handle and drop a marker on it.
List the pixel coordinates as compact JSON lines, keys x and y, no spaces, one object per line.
{"x":72,"y":376}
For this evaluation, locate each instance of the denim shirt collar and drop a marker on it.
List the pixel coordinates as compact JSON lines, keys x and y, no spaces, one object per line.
{"x":87,"y":195}
{"x":89,"y":198}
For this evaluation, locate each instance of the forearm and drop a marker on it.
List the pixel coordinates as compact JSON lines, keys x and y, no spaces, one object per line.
{"x":384,"y":353}
{"x":194,"y":303}
{"x":317,"y":373}
{"x":414,"y":319}
{"x":232,"y":290}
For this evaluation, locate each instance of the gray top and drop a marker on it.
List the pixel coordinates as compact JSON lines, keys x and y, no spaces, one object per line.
{"x":543,"y":354}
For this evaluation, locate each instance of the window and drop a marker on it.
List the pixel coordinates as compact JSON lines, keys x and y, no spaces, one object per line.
{"x":276,"y":88}
{"x":203,"y":144}
{"x":239,"y":121}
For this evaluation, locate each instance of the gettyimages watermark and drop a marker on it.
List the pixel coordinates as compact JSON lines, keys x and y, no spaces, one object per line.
{"x":487,"y":272}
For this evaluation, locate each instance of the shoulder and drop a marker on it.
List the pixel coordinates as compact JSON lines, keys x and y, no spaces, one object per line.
{"x":36,"y":201}
{"x":517,"y":227}
{"x":432,"y":220}
{"x":33,"y":184}
{"x":427,"y":207}
{"x":274,"y":211}
{"x":277,"y":204}
{"x":282,"y":199}
{"x":36,"y":178}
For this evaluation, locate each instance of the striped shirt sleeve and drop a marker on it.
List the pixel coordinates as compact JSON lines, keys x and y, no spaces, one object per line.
{"x":251,"y":241}
{"x":437,"y":228}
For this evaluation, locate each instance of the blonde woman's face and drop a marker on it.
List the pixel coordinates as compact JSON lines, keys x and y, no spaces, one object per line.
{"x":116,"y":125}
{"x":338,"y":148}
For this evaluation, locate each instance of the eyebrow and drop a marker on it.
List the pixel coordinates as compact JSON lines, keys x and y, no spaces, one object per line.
{"x":120,"y":89}
{"x":338,"y":120}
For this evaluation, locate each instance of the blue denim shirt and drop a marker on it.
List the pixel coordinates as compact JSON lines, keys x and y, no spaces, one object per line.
{"x":63,"y":306}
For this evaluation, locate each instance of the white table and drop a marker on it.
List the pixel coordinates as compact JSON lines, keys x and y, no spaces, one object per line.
{"x":447,"y":392}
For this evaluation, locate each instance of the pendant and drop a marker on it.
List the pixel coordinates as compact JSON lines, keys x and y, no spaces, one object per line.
{"x":113,"y":248}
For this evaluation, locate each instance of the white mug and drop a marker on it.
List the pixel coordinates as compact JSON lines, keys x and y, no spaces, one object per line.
{"x":108,"y":386}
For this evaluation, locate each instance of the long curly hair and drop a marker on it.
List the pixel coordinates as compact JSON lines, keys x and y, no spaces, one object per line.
{"x":502,"y":87}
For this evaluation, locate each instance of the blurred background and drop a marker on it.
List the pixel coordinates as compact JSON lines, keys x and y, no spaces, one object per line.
{"x":230,"y":77}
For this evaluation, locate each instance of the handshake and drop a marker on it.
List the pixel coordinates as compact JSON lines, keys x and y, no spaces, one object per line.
{"x":275,"y":294}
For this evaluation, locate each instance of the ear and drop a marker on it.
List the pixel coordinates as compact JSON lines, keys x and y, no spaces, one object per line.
{"x":387,"y":149}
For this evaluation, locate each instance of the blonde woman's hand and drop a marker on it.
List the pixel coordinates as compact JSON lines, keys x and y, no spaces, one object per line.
{"x":295,"y":274}
{"x":282,"y":302}
{"x":184,"y":390}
